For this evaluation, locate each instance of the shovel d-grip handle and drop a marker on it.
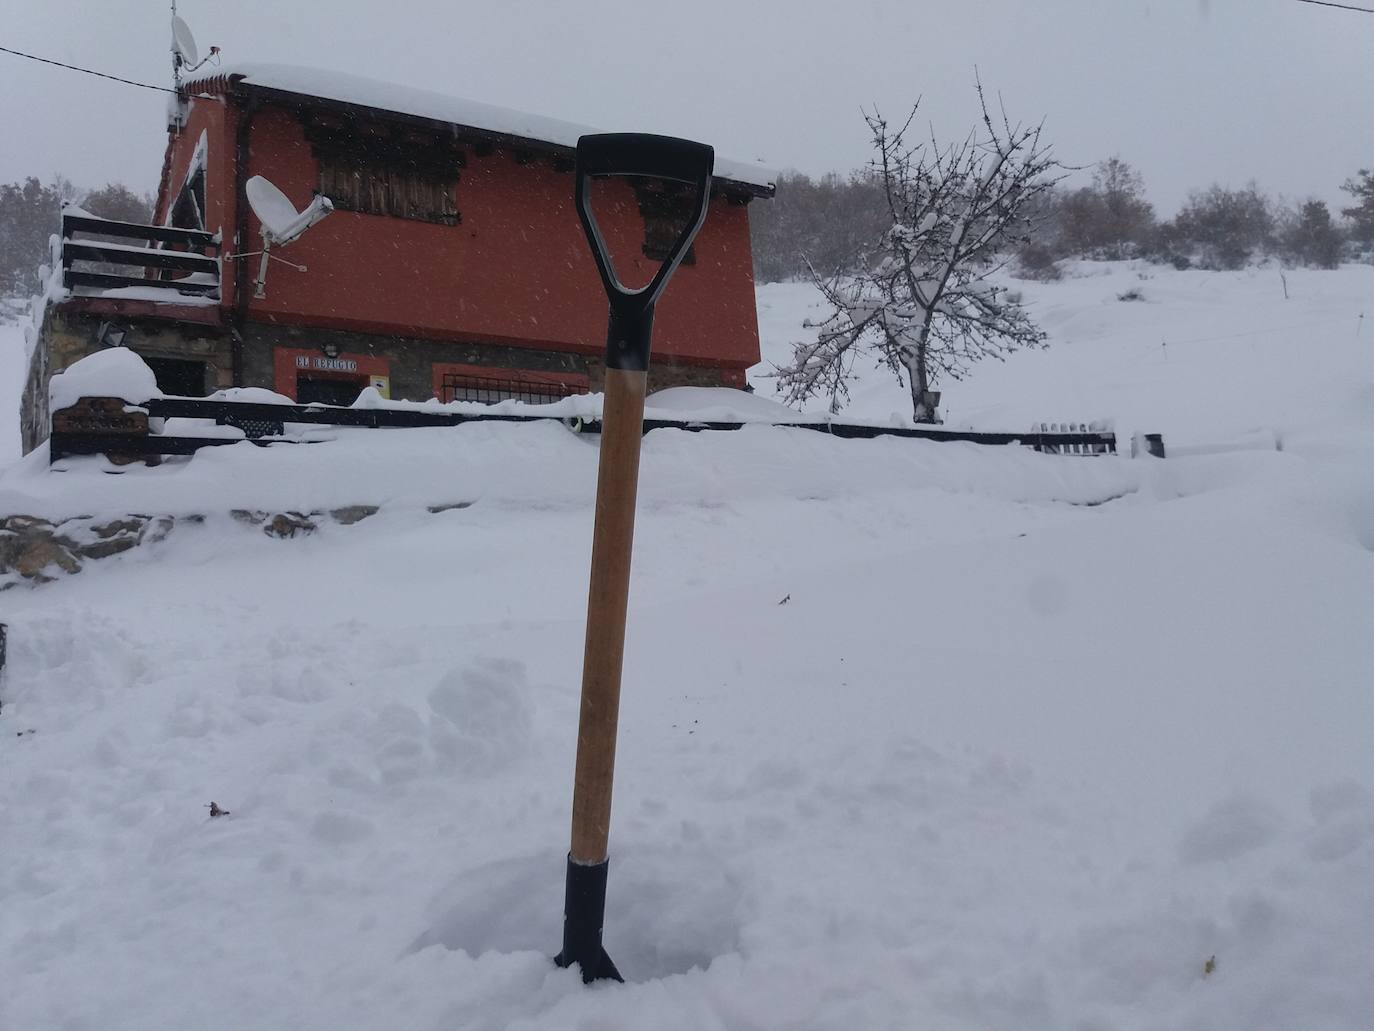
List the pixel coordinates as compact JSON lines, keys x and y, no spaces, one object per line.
{"x":653,"y":157}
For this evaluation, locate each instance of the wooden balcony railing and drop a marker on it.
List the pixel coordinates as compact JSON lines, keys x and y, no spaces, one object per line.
{"x":177,"y":261}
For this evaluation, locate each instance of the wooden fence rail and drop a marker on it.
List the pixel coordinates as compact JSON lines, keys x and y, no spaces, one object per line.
{"x":111,"y":426}
{"x":134,"y":251}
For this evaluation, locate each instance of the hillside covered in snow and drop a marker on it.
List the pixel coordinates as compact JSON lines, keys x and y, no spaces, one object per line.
{"x":913,"y":735}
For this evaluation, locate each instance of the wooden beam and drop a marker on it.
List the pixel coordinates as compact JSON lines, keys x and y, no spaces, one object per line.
{"x":184,"y":261}
{"x":110,"y":227}
{"x":106,"y":281}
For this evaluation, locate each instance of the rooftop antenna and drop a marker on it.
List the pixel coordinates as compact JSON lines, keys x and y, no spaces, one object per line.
{"x":185,"y":54}
{"x":281,"y":224}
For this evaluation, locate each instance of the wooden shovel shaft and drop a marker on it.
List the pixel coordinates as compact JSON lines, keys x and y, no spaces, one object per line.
{"x":607,"y":602}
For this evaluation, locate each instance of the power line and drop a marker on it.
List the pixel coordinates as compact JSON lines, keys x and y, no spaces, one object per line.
{"x":1343,"y":7}
{"x":88,"y":71}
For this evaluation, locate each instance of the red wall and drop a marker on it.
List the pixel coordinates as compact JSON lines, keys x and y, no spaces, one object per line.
{"x":516,"y":270}
{"x":212,"y":117}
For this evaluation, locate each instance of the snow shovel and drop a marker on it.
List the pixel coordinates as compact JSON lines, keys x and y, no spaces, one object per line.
{"x":627,"y":366}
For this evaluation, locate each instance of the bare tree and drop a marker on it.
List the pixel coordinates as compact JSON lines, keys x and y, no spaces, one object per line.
{"x":1111,"y":218}
{"x":828,"y":220}
{"x":922,"y":298}
{"x":1223,"y":227}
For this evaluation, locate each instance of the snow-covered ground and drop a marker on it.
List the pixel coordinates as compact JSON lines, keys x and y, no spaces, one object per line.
{"x":1201,"y":355}
{"x":914,"y":735}
{"x":13,"y":369}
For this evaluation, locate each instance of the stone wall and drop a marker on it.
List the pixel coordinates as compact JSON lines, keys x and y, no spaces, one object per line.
{"x":70,"y":333}
{"x":33,"y":402}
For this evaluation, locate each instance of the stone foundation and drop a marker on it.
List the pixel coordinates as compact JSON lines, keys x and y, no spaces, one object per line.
{"x":79,"y":326}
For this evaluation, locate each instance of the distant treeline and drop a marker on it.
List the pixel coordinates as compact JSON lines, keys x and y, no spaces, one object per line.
{"x":831,"y":220}
{"x":30,"y":213}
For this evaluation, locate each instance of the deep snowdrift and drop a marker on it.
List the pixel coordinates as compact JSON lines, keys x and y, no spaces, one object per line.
{"x":913,"y":735}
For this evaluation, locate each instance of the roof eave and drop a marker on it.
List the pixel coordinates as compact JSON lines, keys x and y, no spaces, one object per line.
{"x":238,"y":87}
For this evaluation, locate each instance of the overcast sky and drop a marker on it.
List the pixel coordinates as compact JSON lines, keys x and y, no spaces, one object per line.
{"x":1188,"y":91}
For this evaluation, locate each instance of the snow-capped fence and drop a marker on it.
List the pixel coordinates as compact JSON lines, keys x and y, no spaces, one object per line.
{"x":94,"y":425}
{"x":1089,"y":447}
{"x":139,"y":249}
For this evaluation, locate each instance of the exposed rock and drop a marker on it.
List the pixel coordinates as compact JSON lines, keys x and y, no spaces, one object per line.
{"x":436,"y":509}
{"x":24,"y":523}
{"x":36,"y":550}
{"x":288,"y":524}
{"x":351,"y":514}
{"x":106,"y":548}
{"x":42,"y":553}
{"x":159,"y":530}
{"x":130,"y":524}
{"x":12,"y":545}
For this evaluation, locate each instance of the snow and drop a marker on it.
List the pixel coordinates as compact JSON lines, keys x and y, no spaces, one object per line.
{"x":1203,"y":358}
{"x":113,"y":372}
{"x":387,"y":96}
{"x":274,"y":210}
{"x":167,"y":293}
{"x":14,"y":368}
{"x":716,"y":404}
{"x":913,"y":734}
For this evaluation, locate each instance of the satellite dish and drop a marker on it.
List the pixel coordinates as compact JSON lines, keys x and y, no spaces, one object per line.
{"x":183,"y":43}
{"x":281,"y":222}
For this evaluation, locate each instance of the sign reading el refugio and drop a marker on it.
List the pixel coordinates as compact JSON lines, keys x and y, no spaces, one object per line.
{"x":326,"y":364}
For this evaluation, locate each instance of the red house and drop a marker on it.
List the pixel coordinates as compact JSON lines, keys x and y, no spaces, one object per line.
{"x":452,"y":266}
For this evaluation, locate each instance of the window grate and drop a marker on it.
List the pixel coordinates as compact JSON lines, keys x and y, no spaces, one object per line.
{"x":491,"y":389}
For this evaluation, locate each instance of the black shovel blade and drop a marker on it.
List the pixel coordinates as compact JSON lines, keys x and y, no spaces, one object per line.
{"x":599,"y":969}
{"x":584,"y":909}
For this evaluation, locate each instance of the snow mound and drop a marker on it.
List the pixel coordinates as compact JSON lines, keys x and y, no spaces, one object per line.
{"x":716,"y":404}
{"x":113,"y":372}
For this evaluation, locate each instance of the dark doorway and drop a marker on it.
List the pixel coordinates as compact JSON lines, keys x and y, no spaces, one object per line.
{"x":178,"y":376}
{"x":327,"y":391}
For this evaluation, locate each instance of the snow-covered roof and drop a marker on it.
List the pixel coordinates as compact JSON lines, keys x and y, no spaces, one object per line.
{"x":345,"y":88}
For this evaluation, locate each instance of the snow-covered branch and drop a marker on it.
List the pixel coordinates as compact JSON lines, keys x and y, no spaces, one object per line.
{"x":920,"y":299}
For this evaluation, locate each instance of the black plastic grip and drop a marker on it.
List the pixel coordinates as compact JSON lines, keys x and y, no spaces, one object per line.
{"x":656,"y":157}
{"x":635,"y":153}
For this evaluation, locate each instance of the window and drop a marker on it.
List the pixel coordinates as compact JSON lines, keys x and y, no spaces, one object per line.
{"x":178,"y":376}
{"x":666,"y":208}
{"x":488,"y":385}
{"x":342,"y":392}
{"x":490,"y":389}
{"x":188,"y":210}
{"x":381,"y":170}
{"x":381,"y":188}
